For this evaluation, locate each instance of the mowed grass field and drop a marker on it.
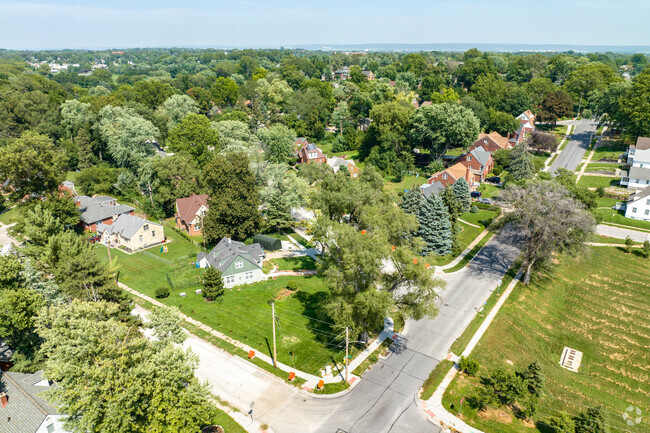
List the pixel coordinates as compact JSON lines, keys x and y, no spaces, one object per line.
{"x":243,"y":312}
{"x":598,"y":304}
{"x":596,"y":181}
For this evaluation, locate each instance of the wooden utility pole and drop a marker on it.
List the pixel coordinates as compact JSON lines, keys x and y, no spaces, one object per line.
{"x":346,"y":354}
{"x":275,"y":361}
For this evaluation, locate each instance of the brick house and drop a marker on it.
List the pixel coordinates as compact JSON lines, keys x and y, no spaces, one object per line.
{"x":309,"y":153}
{"x":479,"y":162}
{"x":491,"y":142}
{"x":337,"y":162}
{"x":449,"y":176}
{"x":526,"y":126}
{"x":100,"y":210}
{"x":190,"y":212}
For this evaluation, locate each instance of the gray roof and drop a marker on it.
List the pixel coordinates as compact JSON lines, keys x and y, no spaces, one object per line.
{"x":228,"y":250}
{"x":643,"y":143}
{"x":5,"y":352}
{"x":639,"y":194}
{"x":336,"y":163}
{"x":98,"y":208}
{"x":125,"y":225}
{"x":432,"y":189}
{"x":639,"y":173}
{"x":26,"y":408}
{"x":481,"y":155}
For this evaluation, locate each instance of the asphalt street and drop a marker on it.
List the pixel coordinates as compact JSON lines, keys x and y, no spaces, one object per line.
{"x":577,"y":146}
{"x":385,"y":400}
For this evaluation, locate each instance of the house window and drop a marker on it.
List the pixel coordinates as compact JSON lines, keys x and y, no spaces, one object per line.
{"x":469,"y":157}
{"x":239,"y":264}
{"x":50,"y":428}
{"x":146,"y":227}
{"x":633,"y":210}
{"x":647,"y":202}
{"x":248,"y":276}
{"x":647,"y":211}
{"x":230,"y":279}
{"x":141,"y":238}
{"x":444,"y":176}
{"x":153,"y":233}
{"x":312,"y":155}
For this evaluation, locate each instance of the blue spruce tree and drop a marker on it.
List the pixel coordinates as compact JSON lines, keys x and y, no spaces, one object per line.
{"x":411,"y":201}
{"x":435,"y":226}
{"x":461,"y":192}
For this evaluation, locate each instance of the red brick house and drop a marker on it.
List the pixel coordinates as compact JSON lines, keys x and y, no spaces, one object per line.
{"x":526,"y":126}
{"x":449,"y":176}
{"x":491,"y":142}
{"x":309,"y":153}
{"x":190,"y":212}
{"x":479,"y":162}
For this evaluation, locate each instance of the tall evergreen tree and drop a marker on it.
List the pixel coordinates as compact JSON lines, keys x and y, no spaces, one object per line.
{"x":212,"y":284}
{"x":411,"y":200}
{"x":278,"y":212}
{"x":435,"y":226}
{"x":461,"y":192}
{"x":454,"y":206}
{"x":521,"y":163}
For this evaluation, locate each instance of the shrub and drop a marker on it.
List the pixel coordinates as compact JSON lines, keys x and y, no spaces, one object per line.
{"x":496,"y":171}
{"x":292,"y":285}
{"x":468,"y":365}
{"x":600,"y":191}
{"x":161,"y":292}
{"x":473,"y":209}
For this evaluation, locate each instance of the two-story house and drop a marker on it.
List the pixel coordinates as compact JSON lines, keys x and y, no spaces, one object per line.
{"x":190,"y":212}
{"x":491,"y":142}
{"x":479,"y":162}
{"x":638,"y":205}
{"x":526,"y":126}
{"x":638,"y":157}
{"x":238,"y":263}
{"x":309,"y":154}
{"x":449,"y":176}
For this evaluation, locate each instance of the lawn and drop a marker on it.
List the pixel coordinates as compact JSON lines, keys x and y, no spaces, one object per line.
{"x":613,"y":151}
{"x":593,"y":166}
{"x":456,"y":151}
{"x":302,"y":241}
{"x":607,"y":202}
{"x":243,"y":312}
{"x":10,"y":216}
{"x":488,"y":190}
{"x":408,"y":182}
{"x":598,"y":304}
{"x":71,"y":176}
{"x":607,"y":240}
{"x":465,"y":237}
{"x":596,"y":181}
{"x":618,"y":217}
{"x":291,"y":264}
{"x":482,"y":217}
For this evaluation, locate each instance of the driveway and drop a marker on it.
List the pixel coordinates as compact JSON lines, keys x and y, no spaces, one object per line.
{"x":575,"y":149}
{"x":621,"y":233}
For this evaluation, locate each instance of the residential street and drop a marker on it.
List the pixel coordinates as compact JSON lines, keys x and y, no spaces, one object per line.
{"x":575,"y":149}
{"x":384,"y":401}
{"x":622,"y":233}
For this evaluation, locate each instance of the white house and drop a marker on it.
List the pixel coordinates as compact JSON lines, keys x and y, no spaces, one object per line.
{"x":131,"y":232}
{"x":239,"y":263}
{"x":638,"y":205}
{"x":638,"y":156}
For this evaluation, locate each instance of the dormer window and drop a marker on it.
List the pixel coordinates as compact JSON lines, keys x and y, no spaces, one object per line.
{"x":312,"y":155}
{"x":444,"y":176}
{"x":239,"y":264}
{"x":485,"y":141}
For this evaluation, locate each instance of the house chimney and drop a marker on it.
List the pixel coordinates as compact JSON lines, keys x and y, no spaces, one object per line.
{"x":3,"y":399}
{"x":229,"y":241}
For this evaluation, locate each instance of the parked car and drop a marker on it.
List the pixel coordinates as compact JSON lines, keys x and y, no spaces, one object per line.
{"x":93,"y":239}
{"x":475,"y":194}
{"x":484,"y":200}
{"x":494,"y":179}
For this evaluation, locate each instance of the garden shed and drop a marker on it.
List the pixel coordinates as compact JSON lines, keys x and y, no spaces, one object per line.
{"x":268,"y":243}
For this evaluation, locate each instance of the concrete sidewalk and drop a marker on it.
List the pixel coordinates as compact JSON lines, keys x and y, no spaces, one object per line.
{"x":463,"y":254}
{"x":621,"y":232}
{"x":433,"y":409}
{"x":591,"y":155}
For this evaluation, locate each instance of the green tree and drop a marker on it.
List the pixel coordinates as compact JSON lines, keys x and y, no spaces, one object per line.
{"x":562,"y":423}
{"x":176,"y":108}
{"x":549,"y":220}
{"x":505,"y":386}
{"x":152,"y":385}
{"x":166,"y":324}
{"x":151,"y":92}
{"x":126,"y":135}
{"x":10,"y":271}
{"x":460,"y":189}
{"x":32,"y":165}
{"x":590,"y":421}
{"x":18,"y":311}
{"x":235,"y":136}
{"x":521,"y":163}
{"x":628,"y":244}
{"x":234,"y":199}
{"x":635,"y":106}
{"x":435,"y":226}
{"x":534,"y":378}
{"x":278,"y":212}
{"x":38,"y":225}
{"x":98,"y":179}
{"x":454,"y":207}
{"x":441,"y":126}
{"x":411,"y":200}
{"x":503,"y":123}
{"x":76,"y":115}
{"x":278,"y":142}
{"x":341,"y":116}
{"x":176,"y":176}
{"x":646,"y":248}
{"x":225,"y":91}
{"x":212,"y":284}
{"x":194,"y":136}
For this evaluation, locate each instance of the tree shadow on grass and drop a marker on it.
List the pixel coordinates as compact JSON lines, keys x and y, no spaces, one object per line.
{"x":312,"y":308}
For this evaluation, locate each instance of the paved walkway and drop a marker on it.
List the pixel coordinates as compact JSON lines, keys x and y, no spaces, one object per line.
{"x":5,"y":238}
{"x":433,"y":408}
{"x":311,"y":380}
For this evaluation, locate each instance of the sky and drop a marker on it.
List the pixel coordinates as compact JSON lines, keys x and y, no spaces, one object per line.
{"x":43,"y":24}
